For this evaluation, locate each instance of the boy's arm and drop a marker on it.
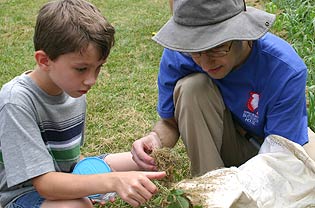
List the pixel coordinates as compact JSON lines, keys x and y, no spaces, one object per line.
{"x":121,"y":162}
{"x":59,"y":185}
{"x":132,"y":187}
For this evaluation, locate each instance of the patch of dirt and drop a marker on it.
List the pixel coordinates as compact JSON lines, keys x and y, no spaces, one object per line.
{"x":206,"y":190}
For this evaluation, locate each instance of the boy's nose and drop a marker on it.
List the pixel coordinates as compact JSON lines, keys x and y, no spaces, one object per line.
{"x":90,"y":79}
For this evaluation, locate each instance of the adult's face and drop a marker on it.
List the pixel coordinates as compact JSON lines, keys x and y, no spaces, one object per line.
{"x":221,"y":60}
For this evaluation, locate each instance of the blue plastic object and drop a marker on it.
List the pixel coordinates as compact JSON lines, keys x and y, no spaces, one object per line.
{"x":91,"y":165}
{"x":94,"y":165}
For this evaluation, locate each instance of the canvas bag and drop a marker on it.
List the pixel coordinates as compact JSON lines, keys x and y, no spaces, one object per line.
{"x":281,"y":175}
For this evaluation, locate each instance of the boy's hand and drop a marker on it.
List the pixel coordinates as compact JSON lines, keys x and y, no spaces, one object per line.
{"x":136,"y":188}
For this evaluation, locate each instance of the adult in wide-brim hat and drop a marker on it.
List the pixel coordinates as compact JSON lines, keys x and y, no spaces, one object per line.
{"x":198,"y":25}
{"x":224,"y":84}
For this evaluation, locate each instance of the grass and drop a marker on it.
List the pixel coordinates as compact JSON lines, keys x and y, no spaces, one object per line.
{"x":296,"y":24}
{"x":122,"y":105}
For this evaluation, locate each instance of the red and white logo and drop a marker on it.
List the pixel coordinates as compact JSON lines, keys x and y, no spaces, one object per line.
{"x":253,"y":101}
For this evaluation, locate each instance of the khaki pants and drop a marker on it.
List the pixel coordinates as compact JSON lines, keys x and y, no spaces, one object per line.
{"x":207,"y":129}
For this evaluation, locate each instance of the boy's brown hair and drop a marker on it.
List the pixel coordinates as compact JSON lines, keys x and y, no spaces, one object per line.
{"x":66,"y":26}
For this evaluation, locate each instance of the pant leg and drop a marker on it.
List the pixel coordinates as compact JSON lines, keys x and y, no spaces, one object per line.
{"x":204,"y":123}
{"x":29,"y":199}
{"x":236,"y":149}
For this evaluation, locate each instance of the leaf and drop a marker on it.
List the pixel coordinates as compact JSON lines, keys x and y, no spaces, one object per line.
{"x":171,"y":198}
{"x":158,"y":200}
{"x":183,"y":202}
{"x":173,"y":205}
{"x":177,"y":192}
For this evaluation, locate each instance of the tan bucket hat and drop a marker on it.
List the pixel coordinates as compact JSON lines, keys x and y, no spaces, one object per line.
{"x":198,"y":25}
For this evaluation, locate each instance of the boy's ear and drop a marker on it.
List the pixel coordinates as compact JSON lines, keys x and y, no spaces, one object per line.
{"x":42,"y":59}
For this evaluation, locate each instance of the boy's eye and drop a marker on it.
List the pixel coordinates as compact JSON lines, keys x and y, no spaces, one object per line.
{"x":81,"y":69}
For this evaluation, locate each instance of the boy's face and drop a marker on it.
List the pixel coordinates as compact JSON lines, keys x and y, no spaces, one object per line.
{"x":75,"y":73}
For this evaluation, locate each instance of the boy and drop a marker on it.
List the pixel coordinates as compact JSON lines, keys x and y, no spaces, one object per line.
{"x":42,"y":116}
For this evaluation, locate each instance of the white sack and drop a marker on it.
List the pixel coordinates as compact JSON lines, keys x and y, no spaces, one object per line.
{"x":281,"y":175}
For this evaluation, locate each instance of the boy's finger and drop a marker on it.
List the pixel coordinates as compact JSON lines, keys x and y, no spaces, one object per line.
{"x":155,"y":175}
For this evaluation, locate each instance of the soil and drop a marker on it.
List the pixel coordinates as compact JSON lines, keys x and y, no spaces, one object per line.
{"x":202,"y":191}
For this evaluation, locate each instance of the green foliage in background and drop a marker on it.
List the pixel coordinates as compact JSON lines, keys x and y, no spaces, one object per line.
{"x":122,"y":105}
{"x":296,"y":24}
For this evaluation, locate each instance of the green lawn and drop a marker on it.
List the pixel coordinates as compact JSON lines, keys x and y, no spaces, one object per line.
{"x":122,"y":104}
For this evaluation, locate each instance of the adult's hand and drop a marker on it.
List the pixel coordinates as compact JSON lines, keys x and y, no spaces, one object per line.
{"x":142,"y":148}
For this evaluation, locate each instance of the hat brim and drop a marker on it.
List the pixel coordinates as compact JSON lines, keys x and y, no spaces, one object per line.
{"x":247,"y":25}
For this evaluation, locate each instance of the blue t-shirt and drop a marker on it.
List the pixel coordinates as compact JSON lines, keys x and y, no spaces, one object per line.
{"x":266,"y":94}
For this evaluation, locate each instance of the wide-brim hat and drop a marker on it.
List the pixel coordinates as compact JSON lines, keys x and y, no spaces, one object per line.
{"x":198,"y":25}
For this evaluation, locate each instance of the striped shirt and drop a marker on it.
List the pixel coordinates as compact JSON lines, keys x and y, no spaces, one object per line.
{"x":39,"y":133}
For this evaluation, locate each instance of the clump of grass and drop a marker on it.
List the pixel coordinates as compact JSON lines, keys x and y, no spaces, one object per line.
{"x":166,"y":160}
{"x":176,"y":165}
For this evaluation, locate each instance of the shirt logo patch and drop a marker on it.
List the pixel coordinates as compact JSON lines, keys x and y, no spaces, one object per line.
{"x":250,"y":116}
{"x":253,"y":101}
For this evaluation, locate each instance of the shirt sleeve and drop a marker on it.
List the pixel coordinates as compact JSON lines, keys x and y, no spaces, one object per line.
{"x":285,"y":117}
{"x":24,"y":153}
{"x":173,"y":67}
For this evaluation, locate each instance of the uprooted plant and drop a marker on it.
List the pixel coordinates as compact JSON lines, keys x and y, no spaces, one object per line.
{"x":167,"y":160}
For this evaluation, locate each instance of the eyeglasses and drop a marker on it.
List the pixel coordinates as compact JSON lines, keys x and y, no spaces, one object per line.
{"x":216,"y":52}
